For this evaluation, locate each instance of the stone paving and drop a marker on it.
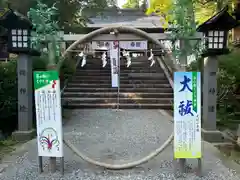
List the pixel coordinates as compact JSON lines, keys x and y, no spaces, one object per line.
{"x":116,"y":137}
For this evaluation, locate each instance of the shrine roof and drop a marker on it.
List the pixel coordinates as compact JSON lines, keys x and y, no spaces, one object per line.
{"x":125,"y":17}
{"x":221,"y":20}
{"x":10,"y":18}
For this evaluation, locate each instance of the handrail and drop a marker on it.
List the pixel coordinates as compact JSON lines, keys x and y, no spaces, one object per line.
{"x":166,"y":69}
{"x":66,"y":80}
{"x":169,"y":67}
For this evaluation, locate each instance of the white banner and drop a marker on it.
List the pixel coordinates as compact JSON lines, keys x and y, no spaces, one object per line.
{"x":133,"y":45}
{"x":48,"y":113}
{"x":100,"y":44}
{"x":114,"y":57}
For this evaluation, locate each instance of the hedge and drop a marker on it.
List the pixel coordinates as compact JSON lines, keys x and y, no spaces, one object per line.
{"x":8,"y":89}
{"x":228,"y":79}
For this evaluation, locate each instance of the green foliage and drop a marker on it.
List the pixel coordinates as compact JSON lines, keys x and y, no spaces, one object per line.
{"x":69,"y":11}
{"x":46,"y":28}
{"x":183,"y":16}
{"x":8,"y":88}
{"x":131,"y":4}
{"x":40,"y":63}
{"x":228,"y":79}
{"x":228,"y":73}
{"x":3,"y":3}
{"x":67,"y":69}
{"x":7,"y":146}
{"x":231,"y":64}
{"x":8,"y":96}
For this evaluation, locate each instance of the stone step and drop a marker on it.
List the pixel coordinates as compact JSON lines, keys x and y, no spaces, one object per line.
{"x":121,"y":68}
{"x":121,"y":71}
{"x":115,"y":105}
{"x":99,"y":60}
{"x":147,"y":65}
{"x":122,"y":74}
{"x":129,"y":76}
{"x":96,"y":60}
{"x":99,"y":85}
{"x":122,"y":61}
{"x":98,"y":71}
{"x":124,"y":64}
{"x":97,"y":74}
{"x":115,"y":94}
{"x":134,"y":100}
{"x":141,"y":86}
{"x":122,"y":81}
{"x":134,"y":69}
{"x":133,"y":90}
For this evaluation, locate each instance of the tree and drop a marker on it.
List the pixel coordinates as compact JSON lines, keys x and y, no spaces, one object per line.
{"x":3,"y":3}
{"x":21,"y":6}
{"x":201,"y":9}
{"x":180,"y":15}
{"x":46,"y":30}
{"x":70,"y":13}
{"x":131,"y":4}
{"x":184,"y":16}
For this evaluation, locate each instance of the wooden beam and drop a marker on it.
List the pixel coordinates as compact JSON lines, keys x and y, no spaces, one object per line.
{"x":124,"y":37}
{"x":86,"y":30}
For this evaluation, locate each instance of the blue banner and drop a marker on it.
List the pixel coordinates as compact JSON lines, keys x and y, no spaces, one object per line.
{"x":187,"y":115}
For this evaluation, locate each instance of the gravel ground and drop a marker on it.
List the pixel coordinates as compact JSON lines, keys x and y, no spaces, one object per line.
{"x":110,"y":135}
{"x":114,"y":137}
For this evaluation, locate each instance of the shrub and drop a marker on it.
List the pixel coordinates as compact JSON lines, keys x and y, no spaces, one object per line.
{"x":39,"y":63}
{"x":68,"y":68}
{"x":8,"y":96}
{"x":228,"y":79}
{"x":8,"y":89}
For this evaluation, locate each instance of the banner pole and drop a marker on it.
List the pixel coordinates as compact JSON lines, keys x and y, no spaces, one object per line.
{"x":40,"y":164}
{"x":118,"y":101}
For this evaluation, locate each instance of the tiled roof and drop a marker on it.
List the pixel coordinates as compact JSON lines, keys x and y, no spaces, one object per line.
{"x":126,"y":17}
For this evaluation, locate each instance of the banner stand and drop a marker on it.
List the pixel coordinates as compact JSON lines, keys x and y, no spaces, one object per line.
{"x":52,"y":165}
{"x":187,"y":121}
{"x":40,"y":164}
{"x":119,"y":68}
{"x":62,"y":165}
{"x":49,"y":119}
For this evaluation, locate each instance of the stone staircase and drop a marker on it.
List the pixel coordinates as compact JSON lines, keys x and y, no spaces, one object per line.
{"x":141,"y":86}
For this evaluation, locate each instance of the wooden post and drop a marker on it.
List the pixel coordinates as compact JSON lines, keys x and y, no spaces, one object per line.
{"x":40,"y":163}
{"x":25,"y":130}
{"x":210,"y":93}
{"x":53,"y":164}
{"x":238,"y":135}
{"x":52,"y":160}
{"x":183,"y":162}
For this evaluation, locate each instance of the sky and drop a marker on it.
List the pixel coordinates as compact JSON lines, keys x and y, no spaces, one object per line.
{"x":121,"y":2}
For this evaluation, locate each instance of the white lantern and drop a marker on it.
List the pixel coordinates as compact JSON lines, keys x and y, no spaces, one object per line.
{"x":19,"y":39}
{"x":216,"y":39}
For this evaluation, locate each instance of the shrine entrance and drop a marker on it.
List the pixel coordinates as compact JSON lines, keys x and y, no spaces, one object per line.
{"x":121,"y":54}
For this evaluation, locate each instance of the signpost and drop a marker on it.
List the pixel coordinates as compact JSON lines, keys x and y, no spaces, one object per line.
{"x":48,"y":115}
{"x":114,"y":59}
{"x":187,"y":115}
{"x":99,"y":44}
{"x":133,"y":45}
